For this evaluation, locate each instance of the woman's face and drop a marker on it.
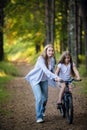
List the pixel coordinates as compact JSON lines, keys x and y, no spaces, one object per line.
{"x":50,"y":52}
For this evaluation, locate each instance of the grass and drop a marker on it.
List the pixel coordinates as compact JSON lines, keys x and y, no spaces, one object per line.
{"x":83,"y":83}
{"x":82,"y":70}
{"x":7,"y":72}
{"x":8,"y":68}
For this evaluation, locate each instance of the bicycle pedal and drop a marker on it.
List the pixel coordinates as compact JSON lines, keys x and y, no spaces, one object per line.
{"x":59,"y":106}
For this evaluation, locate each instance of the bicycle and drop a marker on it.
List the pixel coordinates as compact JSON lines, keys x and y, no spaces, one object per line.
{"x":66,"y":108}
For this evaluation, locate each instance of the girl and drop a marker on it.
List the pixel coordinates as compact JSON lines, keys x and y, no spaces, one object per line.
{"x":65,"y":69}
{"x":38,"y":79}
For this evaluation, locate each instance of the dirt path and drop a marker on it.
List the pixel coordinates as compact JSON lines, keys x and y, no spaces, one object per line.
{"x":21,"y":110}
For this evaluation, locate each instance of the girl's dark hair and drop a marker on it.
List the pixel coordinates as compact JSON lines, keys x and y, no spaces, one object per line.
{"x":62,"y":60}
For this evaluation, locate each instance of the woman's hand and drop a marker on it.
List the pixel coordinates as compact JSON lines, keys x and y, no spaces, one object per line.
{"x":57,"y":79}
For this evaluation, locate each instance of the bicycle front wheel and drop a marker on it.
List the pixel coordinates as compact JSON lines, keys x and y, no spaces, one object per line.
{"x":69,"y":110}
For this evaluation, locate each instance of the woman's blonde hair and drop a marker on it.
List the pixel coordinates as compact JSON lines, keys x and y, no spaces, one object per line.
{"x":44,"y":53}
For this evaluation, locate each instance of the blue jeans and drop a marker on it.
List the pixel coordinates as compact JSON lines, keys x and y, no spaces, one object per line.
{"x":41,"y":96}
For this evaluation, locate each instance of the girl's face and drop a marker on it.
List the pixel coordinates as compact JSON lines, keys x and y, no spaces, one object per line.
{"x":67,"y":59}
{"x":50,"y":52}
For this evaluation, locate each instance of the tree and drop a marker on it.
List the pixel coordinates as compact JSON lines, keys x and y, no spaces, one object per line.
{"x":61,"y":9}
{"x":3,"y":4}
{"x":83,"y":8}
{"x":1,"y":30}
{"x":49,"y":20}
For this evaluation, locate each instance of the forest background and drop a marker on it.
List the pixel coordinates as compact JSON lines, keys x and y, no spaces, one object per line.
{"x":27,"y":26}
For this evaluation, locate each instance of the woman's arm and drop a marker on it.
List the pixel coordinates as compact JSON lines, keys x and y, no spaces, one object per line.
{"x":49,"y":74}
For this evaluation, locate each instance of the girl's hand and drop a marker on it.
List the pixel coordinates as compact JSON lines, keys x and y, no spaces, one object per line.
{"x":78,"y":78}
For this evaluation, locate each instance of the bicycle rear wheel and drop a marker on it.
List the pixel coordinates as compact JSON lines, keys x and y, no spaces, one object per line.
{"x":69,"y":110}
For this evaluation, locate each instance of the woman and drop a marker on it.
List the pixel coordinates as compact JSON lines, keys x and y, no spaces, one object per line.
{"x":38,"y":79}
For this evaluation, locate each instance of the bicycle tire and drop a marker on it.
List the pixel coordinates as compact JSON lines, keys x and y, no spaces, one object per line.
{"x":69,"y":109}
{"x":62,"y":109}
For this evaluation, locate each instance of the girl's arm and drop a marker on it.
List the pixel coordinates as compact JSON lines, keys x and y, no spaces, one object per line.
{"x":76,"y":72}
{"x":57,"y":70}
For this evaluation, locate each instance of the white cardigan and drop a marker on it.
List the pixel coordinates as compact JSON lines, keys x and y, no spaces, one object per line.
{"x":36,"y":75}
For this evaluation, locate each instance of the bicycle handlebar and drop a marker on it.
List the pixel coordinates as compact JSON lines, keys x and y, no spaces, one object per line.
{"x":70,"y":80}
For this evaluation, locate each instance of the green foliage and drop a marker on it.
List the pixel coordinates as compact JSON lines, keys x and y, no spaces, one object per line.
{"x":57,"y":56}
{"x":19,"y":52}
{"x":34,"y":58}
{"x":81,"y":59}
{"x":28,"y":20}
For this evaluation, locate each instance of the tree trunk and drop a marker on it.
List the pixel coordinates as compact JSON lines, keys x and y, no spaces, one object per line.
{"x":76,"y":30}
{"x":1,"y":31}
{"x":73,"y":30}
{"x":80,"y":35}
{"x":52,"y":21}
{"x":83,"y":7}
{"x":37,"y":48}
{"x":49,"y":20}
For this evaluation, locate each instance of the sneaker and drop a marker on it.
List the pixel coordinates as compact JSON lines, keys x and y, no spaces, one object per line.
{"x":40,"y":120}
